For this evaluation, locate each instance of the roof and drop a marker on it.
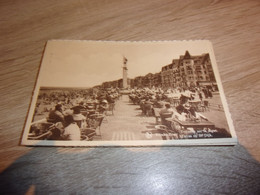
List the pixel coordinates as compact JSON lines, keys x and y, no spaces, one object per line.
{"x":187,"y":55}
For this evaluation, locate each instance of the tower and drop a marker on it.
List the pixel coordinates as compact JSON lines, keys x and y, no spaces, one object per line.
{"x":125,"y":73}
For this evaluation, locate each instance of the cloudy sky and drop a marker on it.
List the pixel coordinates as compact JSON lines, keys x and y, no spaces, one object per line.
{"x":89,"y":63}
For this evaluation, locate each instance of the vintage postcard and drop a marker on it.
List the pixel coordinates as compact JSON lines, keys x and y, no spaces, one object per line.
{"x":109,"y":93}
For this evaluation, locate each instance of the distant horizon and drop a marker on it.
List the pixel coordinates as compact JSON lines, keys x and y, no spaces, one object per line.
{"x":94,"y":85}
{"x":61,"y":87}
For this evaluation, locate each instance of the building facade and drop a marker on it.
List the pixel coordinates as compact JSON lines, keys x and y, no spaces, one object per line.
{"x":188,"y":71}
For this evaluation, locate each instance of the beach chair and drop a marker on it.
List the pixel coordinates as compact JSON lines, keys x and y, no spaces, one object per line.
{"x":96,"y":121}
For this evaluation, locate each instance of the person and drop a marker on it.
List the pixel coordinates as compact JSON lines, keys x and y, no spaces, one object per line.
{"x":166,"y":112}
{"x":71,"y":130}
{"x":147,"y":107}
{"x":185,"y":112}
{"x":183,"y":99}
{"x":79,"y":118}
{"x":158,"y":103}
{"x":205,"y":91}
{"x":56,"y":115}
{"x":181,"y":108}
{"x":200,"y":96}
{"x":104,"y":106}
{"x":210,"y":93}
{"x":109,"y":98}
{"x":81,"y":106}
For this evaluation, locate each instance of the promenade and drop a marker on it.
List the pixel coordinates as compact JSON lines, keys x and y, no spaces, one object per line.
{"x":128,"y":123}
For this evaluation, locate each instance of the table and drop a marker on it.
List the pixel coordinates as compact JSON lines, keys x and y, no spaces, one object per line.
{"x":233,"y":28}
{"x":193,"y":124}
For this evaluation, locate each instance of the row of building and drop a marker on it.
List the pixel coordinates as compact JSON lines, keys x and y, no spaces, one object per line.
{"x":187,"y":71}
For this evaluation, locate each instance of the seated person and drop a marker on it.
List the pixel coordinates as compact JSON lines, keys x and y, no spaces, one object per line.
{"x":80,"y":106}
{"x":71,"y":130}
{"x":185,"y":112}
{"x":167,"y":109}
{"x":196,"y":116}
{"x":180,"y":114}
{"x":79,"y":118}
{"x":110,"y":99}
{"x":183,"y":99}
{"x":158,"y":103}
{"x":103,"y":106}
{"x":56,"y":115}
{"x":166,"y":112}
{"x":141,"y":103}
{"x":147,"y":107}
{"x":90,"y":105}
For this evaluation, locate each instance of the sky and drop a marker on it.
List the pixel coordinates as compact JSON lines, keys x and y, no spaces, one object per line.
{"x":90,"y":63}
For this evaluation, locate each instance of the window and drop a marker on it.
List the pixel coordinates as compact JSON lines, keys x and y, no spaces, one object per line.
{"x":187,"y":62}
{"x":198,"y":68}
{"x":200,"y":78}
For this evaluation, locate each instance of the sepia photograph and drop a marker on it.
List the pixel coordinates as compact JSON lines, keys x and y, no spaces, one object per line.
{"x":115,"y":93}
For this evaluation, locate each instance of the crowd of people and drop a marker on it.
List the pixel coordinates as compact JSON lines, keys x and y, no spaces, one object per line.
{"x":171,"y":103}
{"x":70,"y":114}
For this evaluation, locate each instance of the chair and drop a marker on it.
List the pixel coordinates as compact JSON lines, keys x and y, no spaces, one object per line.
{"x":81,"y":123}
{"x":136,"y":100}
{"x":87,"y":134}
{"x":148,"y":109}
{"x":111,"y":108}
{"x":163,"y":118}
{"x":205,"y":105}
{"x":142,"y":106}
{"x":96,"y":121}
{"x":40,"y":130}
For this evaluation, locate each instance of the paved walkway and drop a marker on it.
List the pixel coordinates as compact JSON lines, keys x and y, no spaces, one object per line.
{"x":127,"y":123}
{"x":215,"y":115}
